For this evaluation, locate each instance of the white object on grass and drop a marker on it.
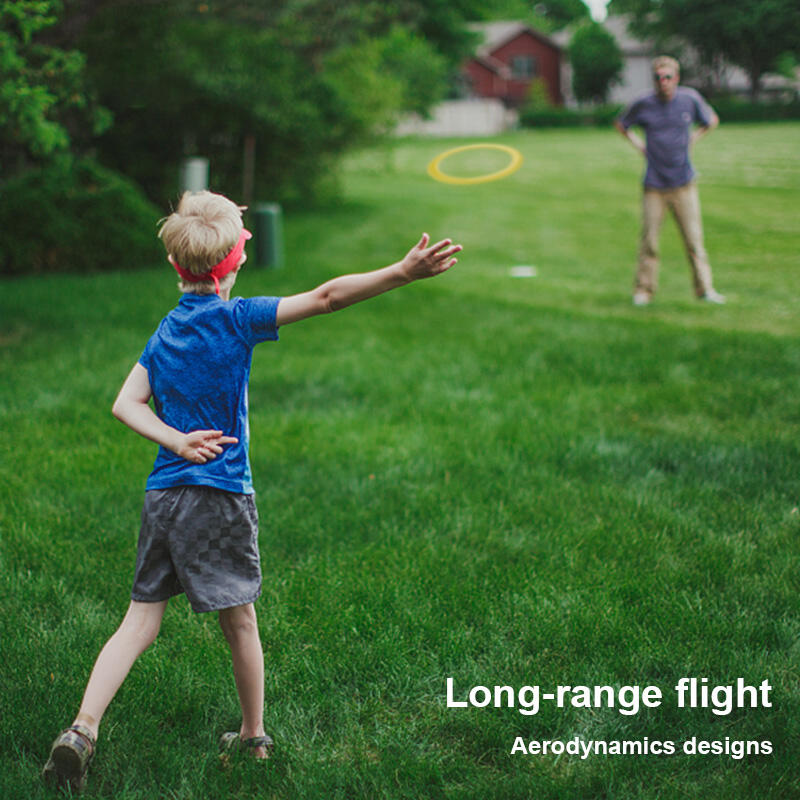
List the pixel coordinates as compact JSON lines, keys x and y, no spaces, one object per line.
{"x":522,"y":271}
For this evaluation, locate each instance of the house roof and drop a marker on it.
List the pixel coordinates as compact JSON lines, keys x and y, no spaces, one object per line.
{"x":493,"y":65}
{"x":496,"y":34}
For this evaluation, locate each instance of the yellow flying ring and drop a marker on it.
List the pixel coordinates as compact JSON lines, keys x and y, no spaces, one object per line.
{"x":436,"y":173}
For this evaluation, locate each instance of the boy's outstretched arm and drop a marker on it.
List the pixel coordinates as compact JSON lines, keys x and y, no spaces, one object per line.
{"x":132,"y":407}
{"x":420,"y":262}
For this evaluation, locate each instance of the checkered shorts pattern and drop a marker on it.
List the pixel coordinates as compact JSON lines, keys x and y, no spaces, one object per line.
{"x":198,"y":540}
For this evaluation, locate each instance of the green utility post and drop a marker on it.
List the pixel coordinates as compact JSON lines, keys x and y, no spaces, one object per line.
{"x":268,"y":234}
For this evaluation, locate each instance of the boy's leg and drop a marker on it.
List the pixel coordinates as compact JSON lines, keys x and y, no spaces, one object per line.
{"x":73,"y":749}
{"x":135,"y":634}
{"x":241,"y":632}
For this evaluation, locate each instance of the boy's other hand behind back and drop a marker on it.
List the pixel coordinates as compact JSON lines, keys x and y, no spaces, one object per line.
{"x":202,"y":446}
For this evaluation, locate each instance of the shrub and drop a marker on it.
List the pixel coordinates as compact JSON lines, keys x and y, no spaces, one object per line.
{"x":731,"y":109}
{"x":75,"y":216}
{"x":559,"y":117}
{"x":538,"y":97}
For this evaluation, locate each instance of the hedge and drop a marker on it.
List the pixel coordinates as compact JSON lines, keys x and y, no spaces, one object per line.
{"x":729,"y":110}
{"x":75,"y":216}
{"x":559,"y":117}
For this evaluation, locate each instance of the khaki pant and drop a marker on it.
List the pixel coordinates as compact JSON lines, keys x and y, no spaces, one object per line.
{"x":684,"y":202}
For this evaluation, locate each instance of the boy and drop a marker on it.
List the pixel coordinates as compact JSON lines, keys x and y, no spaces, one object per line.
{"x":199,"y":531}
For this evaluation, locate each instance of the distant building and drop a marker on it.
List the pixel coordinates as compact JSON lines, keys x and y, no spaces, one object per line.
{"x":510,"y":57}
{"x":496,"y":80}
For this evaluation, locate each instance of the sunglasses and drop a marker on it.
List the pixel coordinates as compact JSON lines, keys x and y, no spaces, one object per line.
{"x":667,"y":77}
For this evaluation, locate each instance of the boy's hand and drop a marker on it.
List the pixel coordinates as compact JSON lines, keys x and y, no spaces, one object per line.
{"x":425,"y":262}
{"x":202,"y":446}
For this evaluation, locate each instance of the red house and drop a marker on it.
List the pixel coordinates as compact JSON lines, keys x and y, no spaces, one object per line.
{"x":511,"y":56}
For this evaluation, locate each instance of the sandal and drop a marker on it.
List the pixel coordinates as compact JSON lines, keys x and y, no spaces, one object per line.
{"x":70,"y":756}
{"x":231,"y":742}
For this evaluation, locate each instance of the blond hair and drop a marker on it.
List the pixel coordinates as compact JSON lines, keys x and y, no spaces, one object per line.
{"x":199,"y":234}
{"x":665,"y":61}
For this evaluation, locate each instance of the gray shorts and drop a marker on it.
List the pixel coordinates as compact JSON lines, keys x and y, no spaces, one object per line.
{"x":198,"y":540}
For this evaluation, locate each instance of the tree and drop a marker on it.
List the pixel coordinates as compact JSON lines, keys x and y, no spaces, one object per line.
{"x":753,"y":34}
{"x":544,"y":15}
{"x":561,"y":12}
{"x":295,"y":82}
{"x":596,"y":62}
{"x":45,"y":106}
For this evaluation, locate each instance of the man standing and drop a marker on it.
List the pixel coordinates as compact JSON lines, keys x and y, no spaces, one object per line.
{"x":668,"y":117}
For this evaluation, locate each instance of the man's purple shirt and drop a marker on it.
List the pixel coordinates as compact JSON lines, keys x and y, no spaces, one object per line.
{"x":667,"y":126}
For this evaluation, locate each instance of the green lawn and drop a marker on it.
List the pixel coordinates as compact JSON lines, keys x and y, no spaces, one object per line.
{"x":501,"y":480}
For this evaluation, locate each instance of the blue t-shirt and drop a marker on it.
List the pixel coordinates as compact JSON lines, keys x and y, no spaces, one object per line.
{"x":667,"y":126}
{"x":198,"y":363}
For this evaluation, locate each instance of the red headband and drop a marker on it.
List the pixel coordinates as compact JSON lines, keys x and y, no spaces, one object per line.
{"x":230,"y":262}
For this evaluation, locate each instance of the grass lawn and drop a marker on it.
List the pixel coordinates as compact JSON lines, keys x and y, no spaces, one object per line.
{"x":506,"y":481}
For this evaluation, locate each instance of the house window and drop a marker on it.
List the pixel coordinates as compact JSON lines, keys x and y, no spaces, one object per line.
{"x":523,"y":67}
